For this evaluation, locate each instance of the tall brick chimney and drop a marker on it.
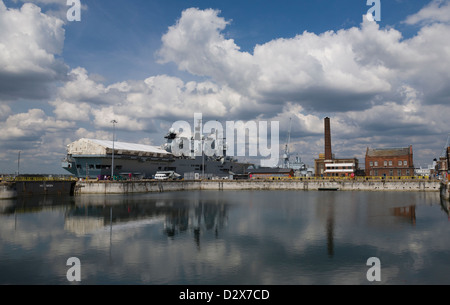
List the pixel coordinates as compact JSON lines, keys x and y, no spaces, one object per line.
{"x":328,"y":153}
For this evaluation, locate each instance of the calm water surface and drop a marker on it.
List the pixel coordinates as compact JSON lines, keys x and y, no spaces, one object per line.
{"x":230,"y":238}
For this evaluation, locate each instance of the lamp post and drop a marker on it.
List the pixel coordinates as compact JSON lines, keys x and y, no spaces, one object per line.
{"x":114,"y":122}
{"x":18,"y":164}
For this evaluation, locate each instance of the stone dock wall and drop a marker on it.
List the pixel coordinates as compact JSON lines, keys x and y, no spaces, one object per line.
{"x":126,"y":187}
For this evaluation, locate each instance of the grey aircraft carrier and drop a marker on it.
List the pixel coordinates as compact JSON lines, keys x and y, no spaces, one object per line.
{"x":91,"y":158}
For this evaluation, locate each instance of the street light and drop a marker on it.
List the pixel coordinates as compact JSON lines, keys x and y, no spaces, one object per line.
{"x":18,"y":164}
{"x":114,"y":122}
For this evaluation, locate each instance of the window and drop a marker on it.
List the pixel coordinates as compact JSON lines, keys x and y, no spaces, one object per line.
{"x":391,"y":172}
{"x":405,"y":163}
{"x":376,"y":163}
{"x":400,"y":163}
{"x":399,"y":172}
{"x":371,"y":163}
{"x":376,"y":172}
{"x":407,"y":172}
{"x":385,"y":163}
{"x":390,"y":163}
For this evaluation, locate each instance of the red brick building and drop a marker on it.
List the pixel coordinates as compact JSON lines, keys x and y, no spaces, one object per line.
{"x":443,"y":164}
{"x":390,"y":162}
{"x":329,"y":166}
{"x":270,"y":173}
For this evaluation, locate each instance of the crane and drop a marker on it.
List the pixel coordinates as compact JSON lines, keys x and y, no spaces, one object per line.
{"x":444,"y":151}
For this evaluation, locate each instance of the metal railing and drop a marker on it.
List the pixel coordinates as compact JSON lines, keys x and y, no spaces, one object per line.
{"x":356,"y":178}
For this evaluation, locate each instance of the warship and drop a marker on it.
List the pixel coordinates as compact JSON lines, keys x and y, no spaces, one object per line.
{"x":103,"y":159}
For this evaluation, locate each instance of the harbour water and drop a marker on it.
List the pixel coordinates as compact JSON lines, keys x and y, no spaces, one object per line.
{"x":227,"y":238}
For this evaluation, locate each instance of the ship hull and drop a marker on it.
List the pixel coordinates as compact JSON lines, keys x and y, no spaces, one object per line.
{"x":30,"y":188}
{"x":36,"y":187}
{"x":100,"y":166}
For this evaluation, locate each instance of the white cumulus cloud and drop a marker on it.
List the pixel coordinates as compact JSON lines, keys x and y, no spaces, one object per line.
{"x":435,"y":11}
{"x":30,"y":43}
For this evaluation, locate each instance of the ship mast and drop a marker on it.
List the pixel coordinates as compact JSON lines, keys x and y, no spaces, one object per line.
{"x":286,"y":148}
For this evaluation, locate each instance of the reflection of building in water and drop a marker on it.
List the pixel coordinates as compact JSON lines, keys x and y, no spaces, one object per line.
{"x":325,"y":212}
{"x":408,"y":212}
{"x":330,"y":231}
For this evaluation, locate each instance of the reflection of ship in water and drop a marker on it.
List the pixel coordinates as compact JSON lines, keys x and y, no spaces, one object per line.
{"x":203,"y":216}
{"x":34,"y":204}
{"x":176,"y":217}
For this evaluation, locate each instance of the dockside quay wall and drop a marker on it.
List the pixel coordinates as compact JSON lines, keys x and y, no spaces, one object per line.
{"x":126,"y":187}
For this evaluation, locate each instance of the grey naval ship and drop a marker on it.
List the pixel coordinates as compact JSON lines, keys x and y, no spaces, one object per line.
{"x":91,"y":158}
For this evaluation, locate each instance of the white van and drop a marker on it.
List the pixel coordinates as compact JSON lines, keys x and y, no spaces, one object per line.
{"x":161,"y":177}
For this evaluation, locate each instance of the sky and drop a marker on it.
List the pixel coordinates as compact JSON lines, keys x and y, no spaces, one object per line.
{"x":148,"y":64}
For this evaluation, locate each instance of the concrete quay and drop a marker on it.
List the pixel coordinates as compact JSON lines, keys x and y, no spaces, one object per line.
{"x":127,"y":187}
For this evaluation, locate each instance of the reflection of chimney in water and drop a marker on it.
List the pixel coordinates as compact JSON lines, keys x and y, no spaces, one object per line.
{"x":330,"y":235}
{"x":328,"y":153}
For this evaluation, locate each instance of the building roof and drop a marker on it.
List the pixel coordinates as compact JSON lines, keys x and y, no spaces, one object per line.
{"x":388,"y":152}
{"x":103,"y":147}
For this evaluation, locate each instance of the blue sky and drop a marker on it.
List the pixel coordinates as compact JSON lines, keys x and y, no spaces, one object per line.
{"x":151,"y":63}
{"x":130,"y":33}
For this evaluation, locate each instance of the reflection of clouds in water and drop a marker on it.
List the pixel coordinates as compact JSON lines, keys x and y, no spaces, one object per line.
{"x":27,"y":231}
{"x":96,"y":226}
{"x":249,"y":241}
